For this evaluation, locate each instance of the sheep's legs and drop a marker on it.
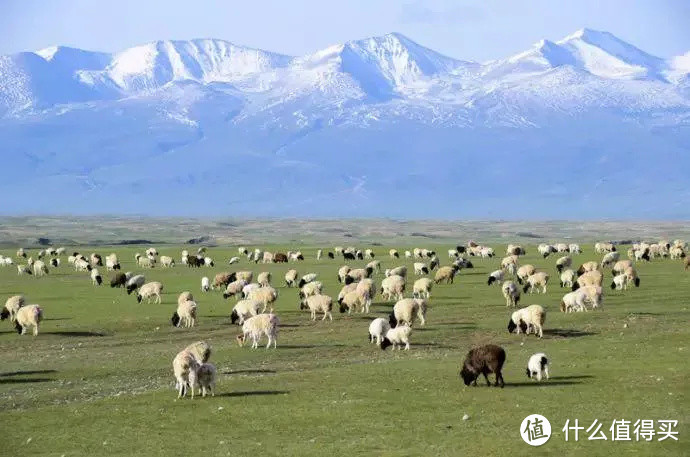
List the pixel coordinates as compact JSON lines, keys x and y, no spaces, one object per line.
{"x":488,"y":384}
{"x":546,"y":372}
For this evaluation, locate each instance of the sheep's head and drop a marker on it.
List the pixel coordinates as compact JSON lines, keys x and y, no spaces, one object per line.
{"x":491,"y":280}
{"x":303,"y":305}
{"x":4,"y":314}
{"x":301,"y":284}
{"x":392,"y":321}
{"x":637,"y":282}
{"x":529,"y":373}
{"x":343,"y":308}
{"x":467,"y":374}
{"x":576,"y":285}
{"x":240,"y":339}
{"x":139,"y":298}
{"x":613,"y":285}
{"x":175,"y":319}
{"x":18,"y":327}
{"x":526,"y":288}
{"x":562,"y":306}
{"x":511,"y":326}
{"x":349,"y":280}
{"x":234,"y":317}
{"x":385,"y":343}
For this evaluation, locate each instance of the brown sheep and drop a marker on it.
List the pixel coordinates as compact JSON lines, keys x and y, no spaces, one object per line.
{"x":483,"y":360}
{"x":279,"y":257}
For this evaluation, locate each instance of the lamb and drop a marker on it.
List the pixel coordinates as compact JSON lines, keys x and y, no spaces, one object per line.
{"x":369,"y":254}
{"x":184,"y":364}
{"x":11,"y":307}
{"x":265,"y":295}
{"x":21,"y":253}
{"x":563,"y":263}
{"x":96,"y":260}
{"x":483,"y":360}
{"x":144,"y":262}
{"x":257,"y":326}
{"x":234,"y":288}
{"x":221,"y":280}
{"x":422,"y":288}
{"x":167,"y":261}
{"x":29,"y":316}
{"x":538,"y":279}
{"x":453,"y":254}
{"x":208,"y":261}
{"x":495,"y":277}
{"x":313,"y":288}
{"x":150,"y":290}
{"x":620,"y":282}
{"x":311,"y":277}
{"x":185,"y":315}
{"x":511,"y":293}
{"x":393,"y":253}
{"x":567,"y":278}
{"x":342,"y":273}
{"x":264,"y":279}
{"x":377,"y":330}
{"x":295,"y":256}
{"x":420,"y":268}
{"x":244,"y":309}
{"x":527,"y":319}
{"x":151,"y":252}
{"x":291,"y":278}
{"x":205,"y":284}
{"x":119,"y":280}
{"x":525,"y":272}
{"x":318,"y":303}
{"x":609,"y":259}
{"x":396,"y":337}
{"x":537,"y":366}
{"x":445,"y":274}
{"x":134,"y":283}
{"x":393,"y":286}
{"x":96,"y":278}
{"x":406,"y":310}
{"x":204,"y":377}
{"x":40,"y":268}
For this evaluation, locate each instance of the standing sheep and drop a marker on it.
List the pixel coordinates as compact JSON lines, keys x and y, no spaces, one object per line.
{"x":483,"y":360}
{"x":185,"y":315}
{"x":511,"y":293}
{"x":264,"y":279}
{"x":183,"y":364}
{"x":12,"y":306}
{"x":318,"y":303}
{"x":377,"y":330}
{"x":150,"y":290}
{"x":527,"y":319}
{"x":406,"y":310}
{"x":205,"y":284}
{"x":393,"y":287}
{"x":265,"y":295}
{"x":96,"y":278}
{"x":396,"y":337}
{"x":495,"y":277}
{"x":244,"y":309}
{"x":291,"y":278}
{"x":29,"y":316}
{"x":257,"y":326}
{"x":422,"y":288}
{"x":535,"y":281}
{"x":204,"y":377}
{"x":563,"y":263}
{"x":567,"y":278}
{"x":134,"y":283}
{"x":538,"y":366}
{"x":445,"y":274}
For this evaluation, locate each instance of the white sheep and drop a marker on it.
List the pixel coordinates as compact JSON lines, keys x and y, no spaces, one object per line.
{"x":511,"y":293}
{"x":567,"y":278}
{"x":29,"y":316}
{"x":393,"y":253}
{"x":11,"y":307}
{"x":609,"y":259}
{"x":266,"y":295}
{"x":310,"y":277}
{"x":399,"y":271}
{"x":351,"y":301}
{"x":40,"y":268}
{"x":24,"y":269}
{"x":291,"y":278}
{"x":535,"y":281}
{"x":342,"y":273}
{"x":408,"y":255}
{"x":312,"y":288}
{"x":245,"y":309}
{"x":406,"y":310}
{"x":204,"y":377}
{"x":420,"y":268}
{"x":528,"y":319}
{"x":422,"y":288}
{"x":369,"y":254}
{"x":185,"y":316}
{"x":574,"y":248}
{"x":233,"y":260}
{"x":397,"y":336}
{"x":318,"y":303}
{"x":366,"y":288}
{"x":563,"y":262}
{"x":538,"y":366}
{"x":167,"y":261}
{"x":375,"y":265}
{"x":620,"y":282}
{"x":495,"y":277}
{"x":393,"y":287}
{"x":545,"y":249}
{"x":112,"y":262}
{"x":183,"y":364}
{"x":150,"y":290}
{"x":264,"y":279}
{"x":96,"y":278}
{"x":205,"y":284}
{"x":378,"y":329}
{"x":257,"y":326}
{"x":574,"y":301}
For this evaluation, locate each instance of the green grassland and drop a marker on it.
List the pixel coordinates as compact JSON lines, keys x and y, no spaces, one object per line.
{"x":98,"y":379}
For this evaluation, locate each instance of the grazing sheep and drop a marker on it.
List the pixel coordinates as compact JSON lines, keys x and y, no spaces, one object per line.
{"x":96,"y":260}
{"x":331,"y":255}
{"x":221,"y":280}
{"x":514,"y":249}
{"x":233,"y":260}
{"x":24,"y":269}
{"x":185,"y":296}
{"x":244,"y":309}
{"x":525,"y":272}
{"x":609,"y":259}
{"x":641,"y":254}
{"x":567,"y":278}
{"x":535,"y":281}
{"x":620,"y":282}
{"x":313,"y":288}
{"x":310,"y":277}
{"x":434,"y":263}
{"x":112,"y":262}
{"x":183,"y":364}
{"x":167,"y":261}
{"x":511,"y":293}
{"x":375,"y":265}
{"x":185,"y":316}
{"x":205,"y":284}
{"x":369,"y":254}
{"x":406,"y":310}
{"x":586,"y":267}
{"x":318,"y":303}
{"x":264,"y":279}
{"x":563,"y":263}
{"x":562,"y":247}
{"x":267,"y":257}
{"x":495,"y":277}
{"x":545,"y":249}
{"x":144,"y":262}
{"x":538,"y":366}
{"x":445,"y":274}
{"x":676,"y":252}
{"x":366,"y":288}
{"x":119,"y":280}
{"x":574,"y":301}
{"x":192,"y":261}
{"x":393,"y":287}
{"x":82,"y":265}
{"x":204,"y":377}
{"x":574,"y":248}
{"x":21,"y":253}
{"x":422,"y":288}
{"x":631,"y":273}
{"x":620,"y":266}
{"x":527,"y":319}
{"x":257,"y":326}
{"x":11,"y":307}
{"x":396,"y":337}
{"x":393,"y":253}
{"x":29,"y":316}
{"x":483,"y":360}
{"x":291,"y":278}
{"x":96,"y":278}
{"x":510,"y":263}
{"x":378,"y":329}
{"x":40,"y":268}
{"x":358,"y":274}
{"x":150,"y":290}
{"x":420,"y":268}
{"x":591,"y":278}
{"x":266,"y":295}
{"x":134,"y":283}
{"x":408,"y":255}
{"x":342,"y":273}
{"x":54,"y":262}
{"x":351,"y":301}
{"x":279,"y":257}
{"x":234,"y":288}
{"x":399,"y":271}
{"x":486,"y":252}
{"x":462,"y":263}
{"x":246,"y":290}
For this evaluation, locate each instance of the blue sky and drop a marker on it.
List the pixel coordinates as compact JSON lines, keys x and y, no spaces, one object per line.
{"x":472,"y":30}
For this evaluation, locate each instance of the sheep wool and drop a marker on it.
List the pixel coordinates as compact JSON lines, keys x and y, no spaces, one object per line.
{"x":185,"y":316}
{"x":378,"y":329}
{"x":528,"y":319}
{"x":29,"y":316}
{"x":396,"y":337}
{"x":257,"y":326}
{"x":12,"y":306}
{"x":538,"y":366}
{"x":483,"y":360}
{"x":318,"y":303}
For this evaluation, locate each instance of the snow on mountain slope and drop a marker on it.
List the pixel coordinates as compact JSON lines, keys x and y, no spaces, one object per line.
{"x":334,"y":132}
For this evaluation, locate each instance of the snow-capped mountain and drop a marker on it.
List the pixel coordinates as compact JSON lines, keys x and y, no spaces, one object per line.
{"x":585,"y":126}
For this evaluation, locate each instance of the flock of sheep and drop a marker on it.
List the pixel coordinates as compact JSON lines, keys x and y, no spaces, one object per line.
{"x":254,"y":312}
